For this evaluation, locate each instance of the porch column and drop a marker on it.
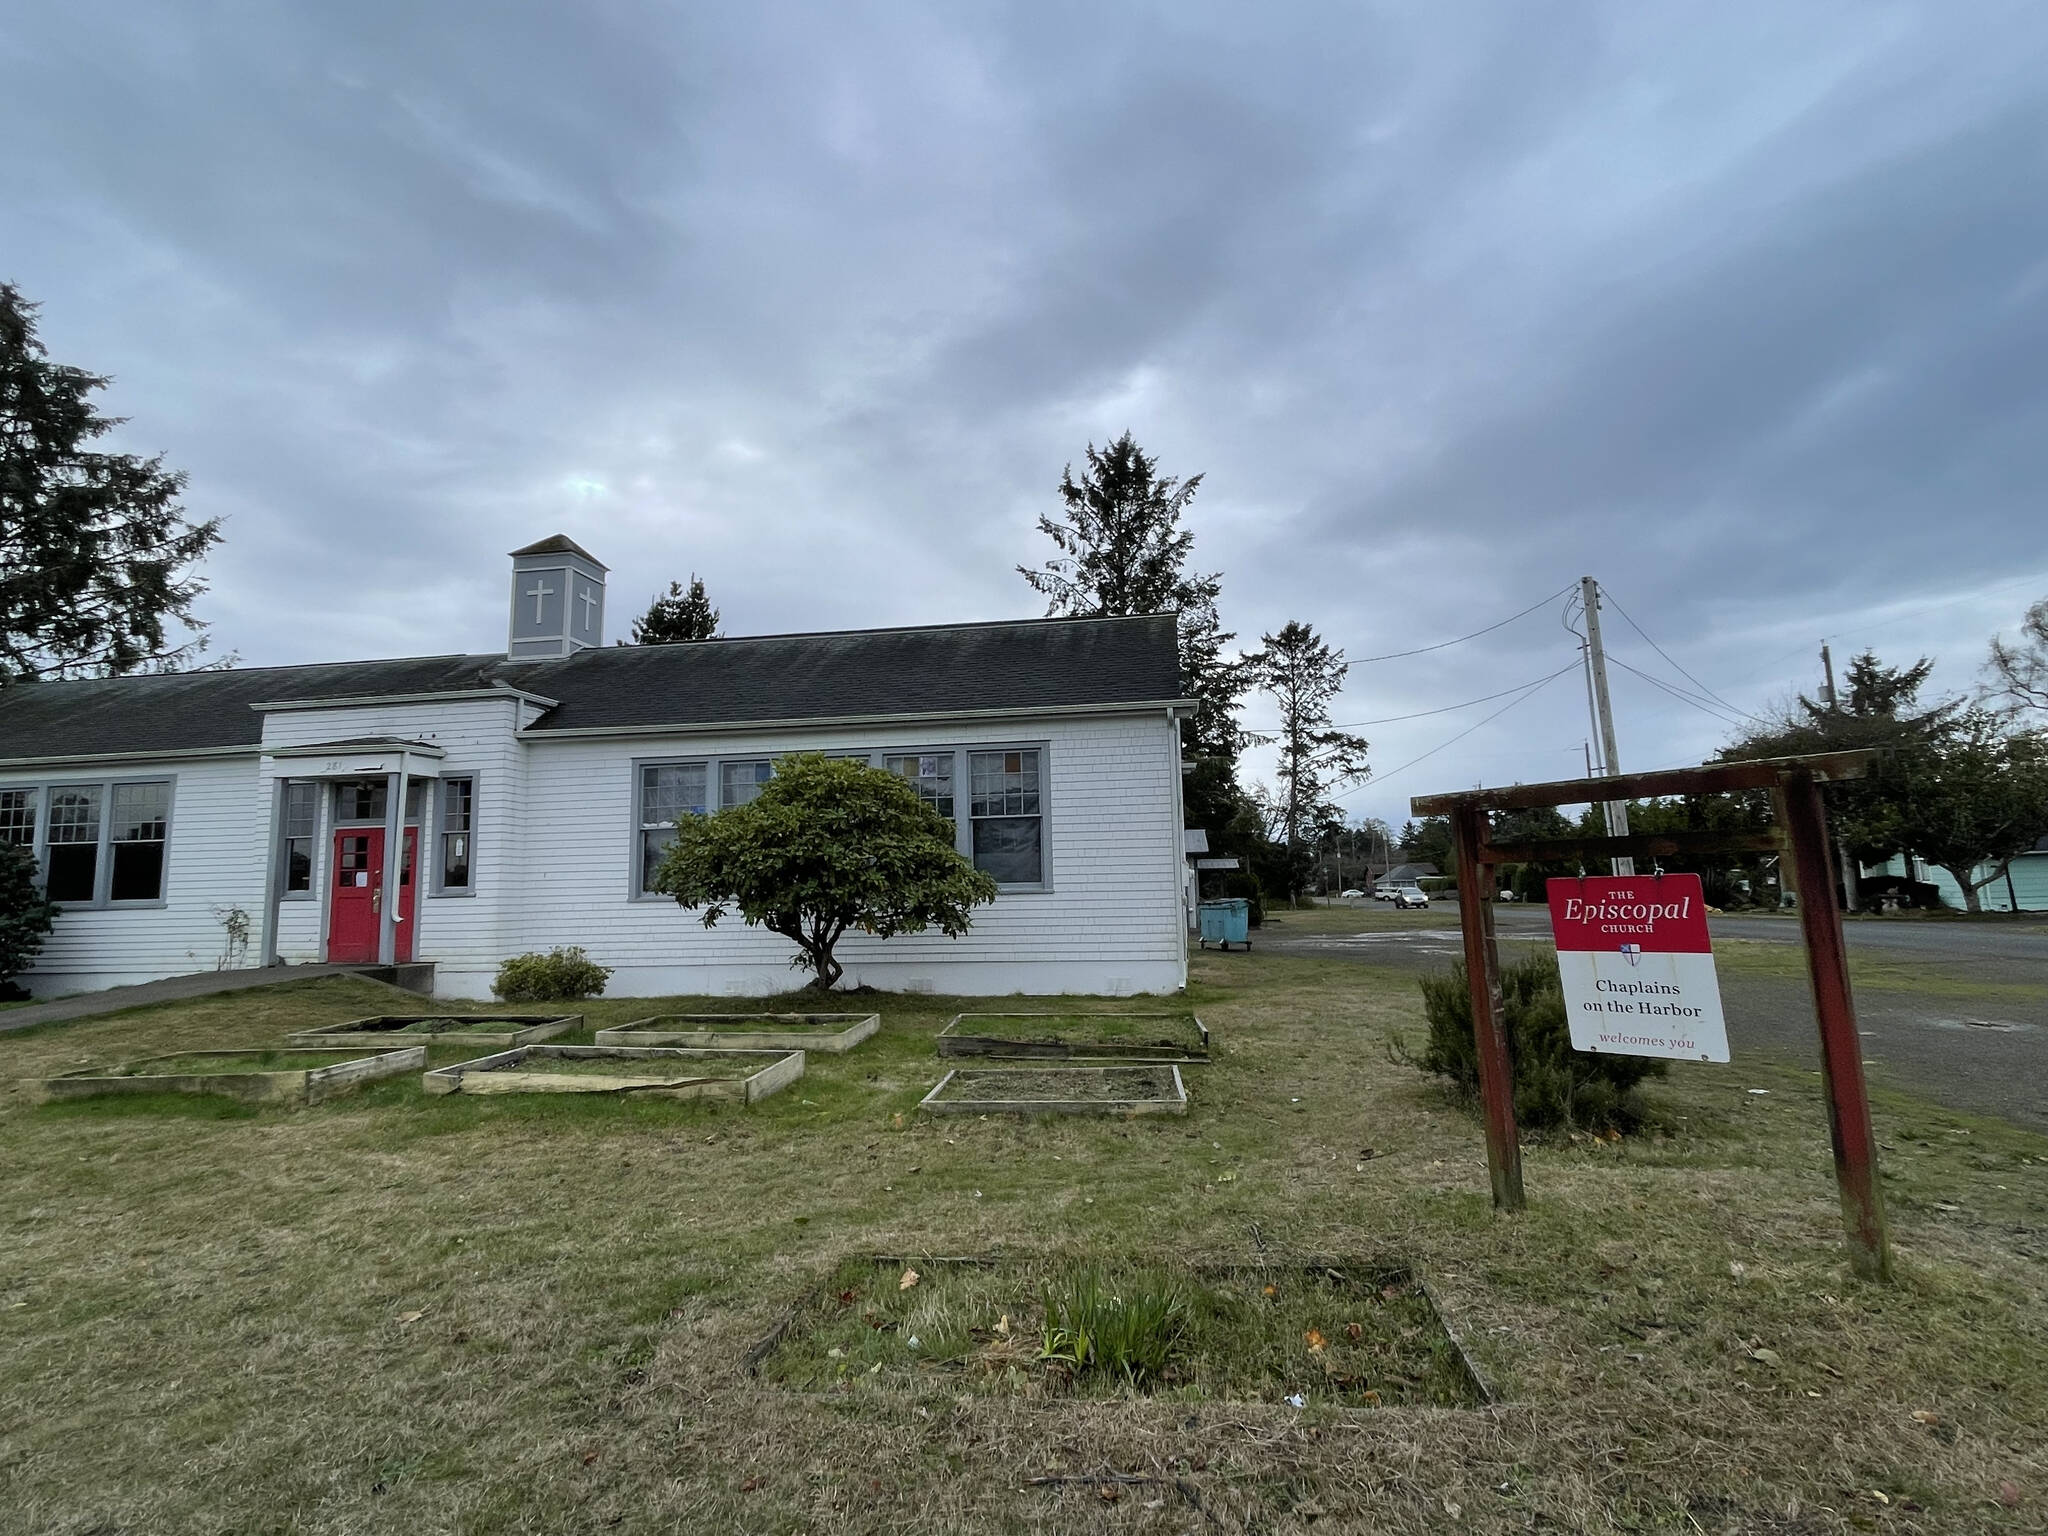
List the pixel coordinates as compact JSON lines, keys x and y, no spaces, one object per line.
{"x":274,"y":856}
{"x":394,"y":854}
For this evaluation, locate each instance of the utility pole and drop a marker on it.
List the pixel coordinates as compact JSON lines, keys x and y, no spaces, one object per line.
{"x":1596,"y":668}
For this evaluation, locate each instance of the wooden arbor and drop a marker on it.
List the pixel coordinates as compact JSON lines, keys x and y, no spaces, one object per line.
{"x":1800,"y":836}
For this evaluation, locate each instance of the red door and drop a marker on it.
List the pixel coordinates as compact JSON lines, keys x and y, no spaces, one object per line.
{"x":359,"y":896}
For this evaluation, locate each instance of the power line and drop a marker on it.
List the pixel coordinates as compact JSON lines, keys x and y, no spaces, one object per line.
{"x":1423,"y":650}
{"x":1703,"y":688}
{"x":1346,"y":725}
{"x":1679,"y":693}
{"x":1528,"y":692}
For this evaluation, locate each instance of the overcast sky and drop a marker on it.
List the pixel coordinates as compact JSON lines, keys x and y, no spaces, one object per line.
{"x":1741,"y":308}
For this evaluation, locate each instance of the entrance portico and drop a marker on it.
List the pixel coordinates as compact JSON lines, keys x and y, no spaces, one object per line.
{"x":380,"y":862}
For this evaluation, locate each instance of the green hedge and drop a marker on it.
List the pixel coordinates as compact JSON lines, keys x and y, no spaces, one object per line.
{"x":1554,"y":1084}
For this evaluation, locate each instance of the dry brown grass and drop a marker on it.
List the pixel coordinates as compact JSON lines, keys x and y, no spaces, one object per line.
{"x":396,"y":1313}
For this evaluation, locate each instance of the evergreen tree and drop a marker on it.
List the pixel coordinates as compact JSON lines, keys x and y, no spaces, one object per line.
{"x":1302,"y":674}
{"x":1122,"y":550}
{"x":95,"y":552}
{"x":677,"y":615}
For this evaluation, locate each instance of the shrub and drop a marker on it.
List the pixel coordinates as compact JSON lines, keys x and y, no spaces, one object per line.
{"x":25,"y":916}
{"x":560,"y":975}
{"x":1554,"y":1084}
{"x":1241,"y":882}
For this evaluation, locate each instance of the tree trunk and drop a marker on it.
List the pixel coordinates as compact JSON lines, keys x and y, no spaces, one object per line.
{"x":1972,"y":900}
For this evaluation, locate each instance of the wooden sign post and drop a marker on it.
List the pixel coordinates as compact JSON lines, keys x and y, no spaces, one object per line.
{"x":1800,"y":837}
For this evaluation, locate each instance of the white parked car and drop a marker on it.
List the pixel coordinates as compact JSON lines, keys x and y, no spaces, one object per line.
{"x":1348,"y":895}
{"x":1408,"y":897}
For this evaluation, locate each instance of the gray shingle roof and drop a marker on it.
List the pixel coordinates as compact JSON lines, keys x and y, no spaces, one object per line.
{"x":1011,"y":667}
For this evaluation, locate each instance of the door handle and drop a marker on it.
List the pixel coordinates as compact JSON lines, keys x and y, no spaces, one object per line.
{"x":377,"y":899}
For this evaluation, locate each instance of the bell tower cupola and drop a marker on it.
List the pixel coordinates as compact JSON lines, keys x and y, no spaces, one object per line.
{"x":557,"y":600}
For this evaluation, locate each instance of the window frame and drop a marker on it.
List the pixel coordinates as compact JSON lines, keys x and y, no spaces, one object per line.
{"x":876,"y":758}
{"x":33,"y":806}
{"x":963,"y":780}
{"x":441,"y":833}
{"x":103,"y":854}
{"x":637,"y":824}
{"x":285,"y":841}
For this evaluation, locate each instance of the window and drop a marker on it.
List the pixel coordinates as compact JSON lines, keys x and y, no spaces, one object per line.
{"x":18,"y":817}
{"x":668,"y":793}
{"x":458,"y":807}
{"x":368,"y":799}
{"x":71,"y":859}
{"x":301,"y":816}
{"x":739,"y":782}
{"x":141,"y":820}
{"x":1003,"y":804}
{"x":930,"y":774}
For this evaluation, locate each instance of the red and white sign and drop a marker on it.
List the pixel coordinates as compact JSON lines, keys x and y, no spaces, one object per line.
{"x":1638,"y":966}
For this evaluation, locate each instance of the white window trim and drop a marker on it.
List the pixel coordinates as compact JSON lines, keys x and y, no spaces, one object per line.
{"x":636,"y":825}
{"x":433,"y":822}
{"x":963,"y":801}
{"x":103,"y":858}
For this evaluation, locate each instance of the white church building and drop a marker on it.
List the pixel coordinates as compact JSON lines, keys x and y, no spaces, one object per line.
{"x":516,"y":802}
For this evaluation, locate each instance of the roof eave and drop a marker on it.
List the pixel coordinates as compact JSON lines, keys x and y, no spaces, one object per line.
{"x":1175,"y":708}
{"x":365,"y":700}
{"x":160,"y":755}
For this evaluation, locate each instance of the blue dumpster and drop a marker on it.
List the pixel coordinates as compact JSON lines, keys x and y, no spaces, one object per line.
{"x":1227,"y":922}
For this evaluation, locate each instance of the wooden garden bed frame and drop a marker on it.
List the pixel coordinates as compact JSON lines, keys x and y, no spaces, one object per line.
{"x":520,"y":1029}
{"x":775,"y":1071}
{"x":833,"y":1033}
{"x":293,"y":1085}
{"x":935,"y":1102}
{"x":960,"y":1038}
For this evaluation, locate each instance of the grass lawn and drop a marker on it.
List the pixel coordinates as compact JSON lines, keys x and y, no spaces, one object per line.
{"x":392,"y":1312}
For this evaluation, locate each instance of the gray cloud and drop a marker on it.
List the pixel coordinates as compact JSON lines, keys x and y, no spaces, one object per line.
{"x":1740,"y":310}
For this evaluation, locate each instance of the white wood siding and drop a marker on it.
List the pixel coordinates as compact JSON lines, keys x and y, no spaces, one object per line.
{"x":213,"y":859}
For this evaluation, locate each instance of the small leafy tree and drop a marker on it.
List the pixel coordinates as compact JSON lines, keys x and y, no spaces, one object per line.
{"x":828,"y":845}
{"x":95,"y":553}
{"x":677,"y":615}
{"x":25,"y":916}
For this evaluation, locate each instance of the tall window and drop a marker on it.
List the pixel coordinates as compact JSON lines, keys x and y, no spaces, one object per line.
{"x":71,"y":859}
{"x":668,"y":793}
{"x":301,"y":826}
{"x":1009,"y":822}
{"x":141,"y":820}
{"x":458,"y":807}
{"x":739,"y":782}
{"x":930,"y":774}
{"x":18,"y":817}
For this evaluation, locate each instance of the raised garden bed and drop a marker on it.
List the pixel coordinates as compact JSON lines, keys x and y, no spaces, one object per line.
{"x":1349,"y":1334}
{"x":1179,"y":1037}
{"x":260,"y":1075}
{"x":745,"y":1076}
{"x":442,"y":1029}
{"x":832,"y":1032}
{"x":1128,"y":1089}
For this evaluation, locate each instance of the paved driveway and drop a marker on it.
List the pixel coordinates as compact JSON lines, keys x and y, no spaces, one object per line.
{"x":1922,"y":1029}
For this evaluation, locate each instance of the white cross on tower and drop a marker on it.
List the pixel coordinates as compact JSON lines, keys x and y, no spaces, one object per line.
{"x":538,"y":591}
{"x":588,"y":598}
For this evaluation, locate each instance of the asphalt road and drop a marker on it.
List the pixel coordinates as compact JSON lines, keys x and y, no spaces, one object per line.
{"x":1922,"y":1031}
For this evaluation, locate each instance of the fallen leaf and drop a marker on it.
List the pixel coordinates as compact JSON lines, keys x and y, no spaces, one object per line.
{"x":752,"y":1484}
{"x":1880,"y":1495}
{"x":1109,"y":1493}
{"x":1454,"y":1510}
{"x":1926,"y":1416}
{"x":1003,"y":1325}
{"x":2009,"y":1495}
{"x":1354,"y":1331}
{"x":410,"y":1317}
{"x":589,"y":1457}
{"x":1272,"y":1290}
{"x":910,"y":1278}
{"x":1315,"y":1341}
{"x":1737,"y":1268}
{"x":1767,"y":1356}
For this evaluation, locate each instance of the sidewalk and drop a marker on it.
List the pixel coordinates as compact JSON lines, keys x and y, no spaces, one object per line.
{"x":170,"y":989}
